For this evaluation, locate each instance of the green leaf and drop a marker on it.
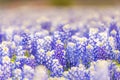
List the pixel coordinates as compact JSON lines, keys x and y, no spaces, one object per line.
{"x":116,"y":62}
{"x":49,"y":72}
{"x":13,"y":59}
{"x":27,"y":54}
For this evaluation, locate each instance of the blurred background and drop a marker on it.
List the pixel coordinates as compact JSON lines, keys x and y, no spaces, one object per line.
{"x":14,"y":3}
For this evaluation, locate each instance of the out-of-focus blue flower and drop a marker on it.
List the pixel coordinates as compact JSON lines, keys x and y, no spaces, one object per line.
{"x":77,"y":73}
{"x":28,"y":72}
{"x":17,"y":74}
{"x":46,"y":25}
{"x":114,"y":70}
{"x":2,"y":37}
{"x":100,"y":70}
{"x":41,"y":73}
{"x":65,"y":47}
{"x":114,"y":31}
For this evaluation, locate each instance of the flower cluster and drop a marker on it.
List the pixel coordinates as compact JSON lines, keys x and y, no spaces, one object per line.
{"x":42,"y":46}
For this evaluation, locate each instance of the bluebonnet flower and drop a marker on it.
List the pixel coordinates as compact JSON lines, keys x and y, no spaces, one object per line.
{"x":59,"y":52}
{"x":100,"y":53}
{"x":89,"y":56}
{"x":25,"y":41}
{"x":81,"y":52}
{"x":4,"y":49}
{"x":101,"y":47}
{"x":34,"y":46}
{"x":72,"y":56}
{"x":112,"y":55}
{"x":55,"y":37}
{"x":40,"y":56}
{"x":114,"y":31}
{"x":47,"y":43}
{"x":56,"y":69}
